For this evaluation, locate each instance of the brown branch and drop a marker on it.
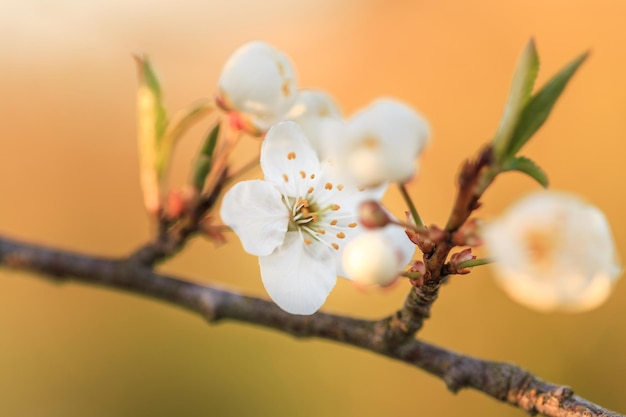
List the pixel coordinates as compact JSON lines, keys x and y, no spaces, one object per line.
{"x":502,"y":381}
{"x":473,"y":180}
{"x":174,"y":234}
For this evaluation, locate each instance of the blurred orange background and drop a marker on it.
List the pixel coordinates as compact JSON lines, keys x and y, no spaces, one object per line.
{"x":69,"y":178}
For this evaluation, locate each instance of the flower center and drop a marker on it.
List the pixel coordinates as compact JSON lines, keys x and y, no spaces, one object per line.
{"x":326,"y":223}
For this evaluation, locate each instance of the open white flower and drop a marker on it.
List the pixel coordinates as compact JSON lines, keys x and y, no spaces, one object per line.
{"x":377,"y":257}
{"x":554,"y":252}
{"x":382,"y":143}
{"x":259,"y":82}
{"x":297,"y":220}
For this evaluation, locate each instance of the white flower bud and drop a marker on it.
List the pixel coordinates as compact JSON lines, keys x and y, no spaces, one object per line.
{"x":373,"y":259}
{"x":383,"y":142}
{"x":553,"y":252}
{"x":259,"y":81}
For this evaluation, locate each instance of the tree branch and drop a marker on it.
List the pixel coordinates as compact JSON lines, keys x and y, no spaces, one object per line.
{"x":502,"y":381}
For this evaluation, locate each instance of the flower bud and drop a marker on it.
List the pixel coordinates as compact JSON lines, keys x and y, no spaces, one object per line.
{"x":372,"y":215}
{"x":372,"y":259}
{"x":259,"y":81}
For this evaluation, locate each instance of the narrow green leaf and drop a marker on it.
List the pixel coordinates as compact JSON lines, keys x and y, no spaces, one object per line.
{"x":202,"y":165}
{"x":528,"y":167}
{"x":540,"y":105}
{"x":521,"y":89}
{"x":180,"y":123}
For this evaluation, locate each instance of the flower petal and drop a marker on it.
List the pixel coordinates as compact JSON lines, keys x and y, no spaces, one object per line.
{"x":287,"y":158}
{"x":299,"y":277}
{"x":255,"y":211}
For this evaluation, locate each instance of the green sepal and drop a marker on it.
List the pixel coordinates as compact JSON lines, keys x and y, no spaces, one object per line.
{"x":539,"y":107}
{"x":528,"y":167}
{"x":202,"y":165}
{"x":519,"y":94}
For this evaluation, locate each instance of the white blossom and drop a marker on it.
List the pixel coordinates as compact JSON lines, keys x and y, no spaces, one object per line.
{"x":377,"y":257}
{"x":382,"y":143}
{"x":259,"y":82}
{"x":297,"y":220}
{"x":553,"y":252}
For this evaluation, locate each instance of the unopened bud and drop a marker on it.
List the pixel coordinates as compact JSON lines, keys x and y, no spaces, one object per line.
{"x":372,"y":259}
{"x":372,"y":215}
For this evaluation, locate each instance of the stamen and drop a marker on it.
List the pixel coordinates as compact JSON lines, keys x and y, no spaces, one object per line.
{"x":328,"y":186}
{"x":312,"y":176}
{"x":310,"y":190}
{"x":340,"y":187}
{"x":291,"y":155}
{"x":321,"y":231}
{"x":335,"y":207}
{"x":341,"y":235}
{"x":333,"y":222}
{"x":335,"y":246}
{"x":303,"y":174}
{"x":307,"y":241}
{"x":352,"y":225}
{"x":285,"y":177}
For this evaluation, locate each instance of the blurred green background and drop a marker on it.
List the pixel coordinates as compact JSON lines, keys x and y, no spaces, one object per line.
{"x":69,"y":178}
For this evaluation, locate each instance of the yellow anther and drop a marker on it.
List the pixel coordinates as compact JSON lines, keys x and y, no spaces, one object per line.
{"x":340,"y":187}
{"x":335,"y":246}
{"x":285,"y":177}
{"x":291,"y":155}
{"x":285,"y":89}
{"x":321,"y":231}
{"x":335,"y":207}
{"x":333,"y":222}
{"x":352,"y":225}
{"x":310,"y":190}
{"x":328,"y":186}
{"x":303,"y":174}
{"x":341,"y":235}
{"x":307,"y":241}
{"x":312,"y":176}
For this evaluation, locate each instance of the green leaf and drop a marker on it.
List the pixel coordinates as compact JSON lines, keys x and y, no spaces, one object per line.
{"x":540,"y":105}
{"x":202,"y":165}
{"x":528,"y":167}
{"x":181,"y":122}
{"x":521,"y":89}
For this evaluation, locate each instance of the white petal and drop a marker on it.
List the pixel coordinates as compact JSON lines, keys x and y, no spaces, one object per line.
{"x":313,"y":110}
{"x":259,"y":80}
{"x":255,"y":211}
{"x":287,"y":158}
{"x":405,"y":249}
{"x":299,"y":277}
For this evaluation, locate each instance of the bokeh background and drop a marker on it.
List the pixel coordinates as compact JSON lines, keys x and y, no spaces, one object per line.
{"x":68,"y":177}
